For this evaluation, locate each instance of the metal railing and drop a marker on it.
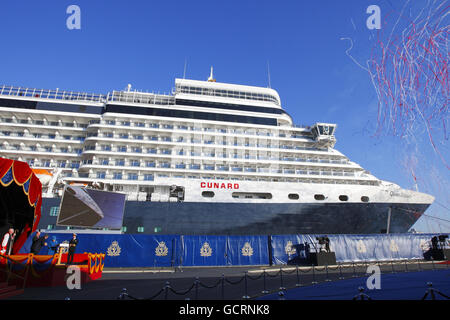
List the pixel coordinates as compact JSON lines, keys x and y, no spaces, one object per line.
{"x":51,"y":94}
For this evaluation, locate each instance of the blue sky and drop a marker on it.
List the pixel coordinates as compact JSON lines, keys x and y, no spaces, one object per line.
{"x":146,"y":43}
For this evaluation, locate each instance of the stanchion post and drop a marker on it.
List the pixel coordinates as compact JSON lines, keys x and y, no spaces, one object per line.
{"x":354,"y":271}
{"x":314,"y":275}
{"x":340,"y":272}
{"x":264,"y":280}
{"x":246,"y":296}
{"x":223,"y":286}
{"x":123,"y":294}
{"x":166,"y":290}
{"x":298,"y":284}
{"x":196,"y":288}
{"x":418,"y":264}
{"x":328,"y":278}
{"x":392,"y":265}
{"x":281,"y":280}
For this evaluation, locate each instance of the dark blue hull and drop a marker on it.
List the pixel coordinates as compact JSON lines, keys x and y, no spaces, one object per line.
{"x":195,"y":218}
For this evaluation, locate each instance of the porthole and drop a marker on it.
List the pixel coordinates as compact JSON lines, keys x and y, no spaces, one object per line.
{"x":365,"y":199}
{"x":343,"y":197}
{"x":293,"y":196}
{"x":208,"y":194}
{"x":319,"y":197}
{"x":251,"y":195}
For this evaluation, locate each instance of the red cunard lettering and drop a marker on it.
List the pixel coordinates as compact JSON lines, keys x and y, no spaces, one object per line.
{"x":217,"y":185}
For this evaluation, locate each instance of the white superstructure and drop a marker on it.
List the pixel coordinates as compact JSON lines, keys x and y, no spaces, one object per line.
{"x":204,"y":134}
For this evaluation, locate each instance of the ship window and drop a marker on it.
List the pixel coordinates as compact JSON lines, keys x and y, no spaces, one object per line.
{"x":251,"y":195}
{"x":140,"y":229}
{"x":208,"y":194}
{"x":319,"y":197}
{"x":365,"y":199}
{"x":343,"y":198}
{"x":293,"y":196}
{"x":54,"y":211}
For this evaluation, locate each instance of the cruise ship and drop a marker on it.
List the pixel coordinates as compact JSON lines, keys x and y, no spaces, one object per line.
{"x":209,"y":158}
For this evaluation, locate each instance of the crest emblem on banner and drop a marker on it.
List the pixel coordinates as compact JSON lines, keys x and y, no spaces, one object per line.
{"x":247,"y":250}
{"x":393,"y":246}
{"x":361,"y":247}
{"x":114,"y":249}
{"x":424,"y":245}
{"x":161,"y":250}
{"x":289,"y":248}
{"x":206,"y":250}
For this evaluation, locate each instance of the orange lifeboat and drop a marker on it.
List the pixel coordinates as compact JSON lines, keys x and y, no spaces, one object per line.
{"x":44,"y":175}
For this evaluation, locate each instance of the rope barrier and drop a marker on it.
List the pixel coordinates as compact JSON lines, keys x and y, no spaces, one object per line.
{"x":270,"y":273}
{"x":155,"y":295}
{"x":273,"y":276}
{"x":210,"y":287}
{"x":306,"y":271}
{"x":182,"y":293}
{"x":233,"y":283}
{"x":289,"y":272}
{"x":255,"y":278}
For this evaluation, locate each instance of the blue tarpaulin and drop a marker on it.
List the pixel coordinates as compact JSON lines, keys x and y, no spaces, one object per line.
{"x":139,"y":250}
{"x":121,"y":250}
{"x":288,"y":248}
{"x":247,"y":250}
{"x":204,"y":250}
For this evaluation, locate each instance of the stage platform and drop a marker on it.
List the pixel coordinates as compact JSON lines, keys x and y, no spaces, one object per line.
{"x":28,"y":270}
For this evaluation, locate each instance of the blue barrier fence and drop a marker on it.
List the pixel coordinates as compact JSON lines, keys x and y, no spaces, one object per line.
{"x":379,"y":247}
{"x":136,"y":250}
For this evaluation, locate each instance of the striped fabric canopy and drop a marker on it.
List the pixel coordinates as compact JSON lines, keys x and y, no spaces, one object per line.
{"x":18,"y":182}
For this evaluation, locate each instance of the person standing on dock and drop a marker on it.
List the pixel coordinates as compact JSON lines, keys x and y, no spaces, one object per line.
{"x":38,"y":243}
{"x":7,"y":242}
{"x":72,"y":246}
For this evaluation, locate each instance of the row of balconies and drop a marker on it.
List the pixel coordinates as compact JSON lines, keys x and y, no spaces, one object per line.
{"x":44,"y":122}
{"x":73,"y":152}
{"x":218,"y":155}
{"x":142,"y":125}
{"x":235,"y":131}
{"x":45,"y":150}
{"x":136,"y":165}
{"x":42,"y":136}
{"x":210,"y":143}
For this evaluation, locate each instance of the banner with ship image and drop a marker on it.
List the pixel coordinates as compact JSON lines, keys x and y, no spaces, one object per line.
{"x":84,"y":207}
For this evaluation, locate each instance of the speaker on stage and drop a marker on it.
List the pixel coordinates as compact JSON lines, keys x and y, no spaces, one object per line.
{"x":440,"y":254}
{"x":322,"y":258}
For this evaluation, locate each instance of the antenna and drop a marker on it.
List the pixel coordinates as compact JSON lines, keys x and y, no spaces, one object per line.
{"x":184,"y":72}
{"x":211,"y":78}
{"x":268,"y":73}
